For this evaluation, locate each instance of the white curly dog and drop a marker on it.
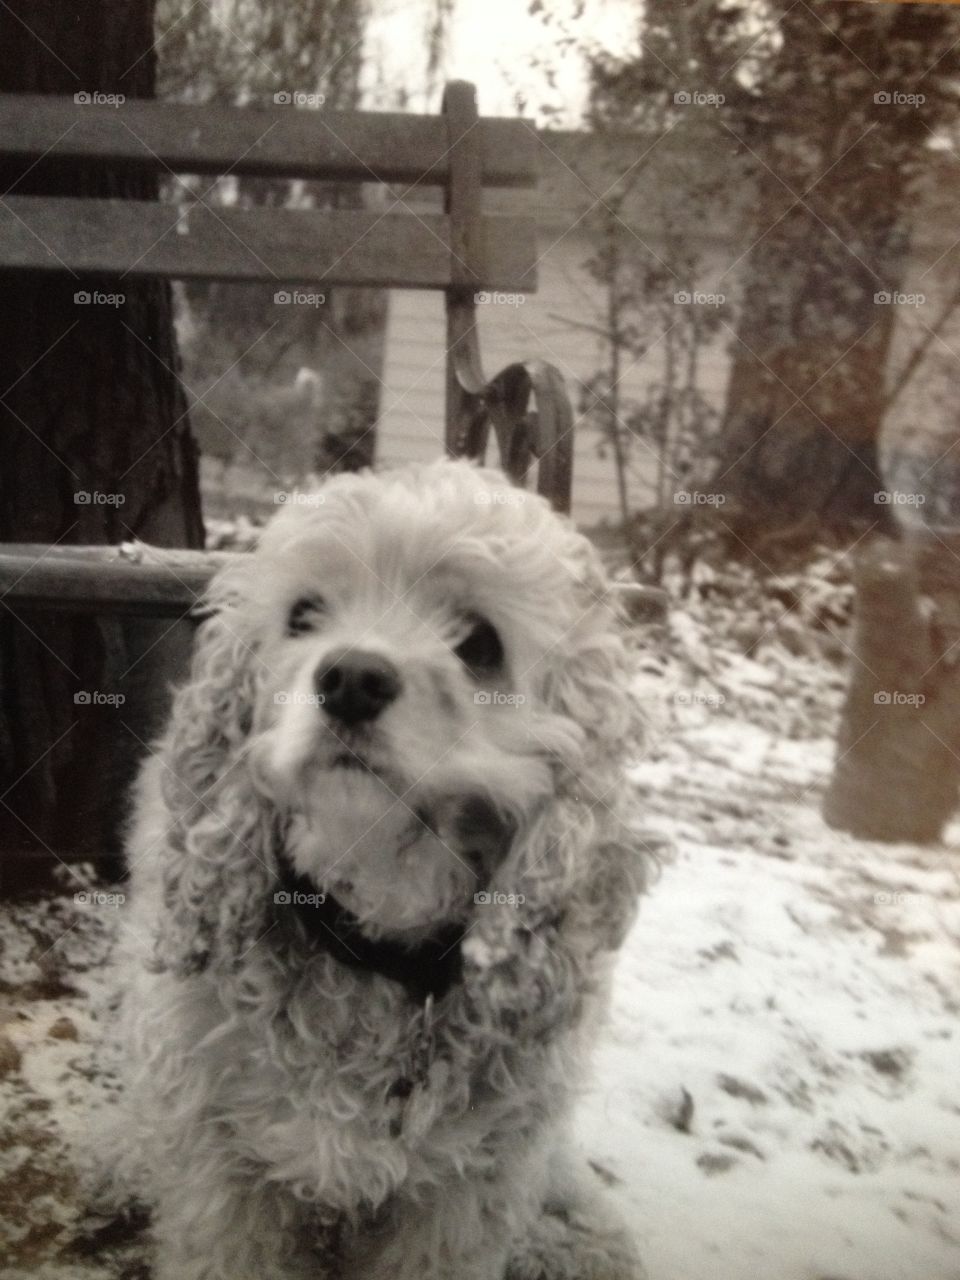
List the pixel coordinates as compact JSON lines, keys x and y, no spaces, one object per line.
{"x":381,"y":861}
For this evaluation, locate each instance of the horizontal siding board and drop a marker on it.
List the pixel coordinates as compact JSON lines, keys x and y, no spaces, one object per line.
{"x":274,"y":141}
{"x":286,"y":246}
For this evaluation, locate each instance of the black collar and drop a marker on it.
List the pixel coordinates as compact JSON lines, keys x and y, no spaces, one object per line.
{"x":431,"y":968}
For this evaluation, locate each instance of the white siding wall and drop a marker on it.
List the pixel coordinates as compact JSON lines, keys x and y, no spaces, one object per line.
{"x":411,"y":423}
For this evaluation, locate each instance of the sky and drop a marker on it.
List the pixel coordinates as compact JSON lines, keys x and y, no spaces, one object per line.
{"x":497,"y":44}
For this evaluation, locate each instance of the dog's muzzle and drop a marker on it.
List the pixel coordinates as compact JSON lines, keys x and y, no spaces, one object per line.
{"x":433,"y":965}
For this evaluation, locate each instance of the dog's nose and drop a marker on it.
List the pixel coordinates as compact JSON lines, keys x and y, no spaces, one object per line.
{"x":356,"y":686}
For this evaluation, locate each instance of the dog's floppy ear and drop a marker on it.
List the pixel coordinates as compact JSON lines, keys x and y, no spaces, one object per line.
{"x":216,"y":877}
{"x":591,"y":683}
{"x":591,"y":674}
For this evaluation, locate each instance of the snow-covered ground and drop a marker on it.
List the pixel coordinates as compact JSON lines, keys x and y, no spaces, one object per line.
{"x":778,"y":1097}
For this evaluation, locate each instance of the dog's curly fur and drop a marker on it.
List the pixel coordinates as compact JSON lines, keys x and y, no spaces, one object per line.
{"x":289,"y":1115}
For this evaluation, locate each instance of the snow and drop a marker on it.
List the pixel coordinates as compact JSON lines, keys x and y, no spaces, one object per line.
{"x":778,"y":1093}
{"x":800,"y":990}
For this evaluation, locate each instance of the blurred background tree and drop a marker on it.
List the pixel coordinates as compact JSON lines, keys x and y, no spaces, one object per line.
{"x":831,"y":119}
{"x":840,"y":123}
{"x":285,"y":390}
{"x":242,"y":51}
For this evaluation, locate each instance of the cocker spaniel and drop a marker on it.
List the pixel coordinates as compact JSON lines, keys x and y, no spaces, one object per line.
{"x":381,"y":861}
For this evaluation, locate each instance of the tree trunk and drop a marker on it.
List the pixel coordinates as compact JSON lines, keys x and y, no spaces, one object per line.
{"x":898,"y":751}
{"x":96,"y":449}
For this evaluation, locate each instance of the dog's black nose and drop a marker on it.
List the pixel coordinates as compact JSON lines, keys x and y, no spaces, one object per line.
{"x":355,"y":685}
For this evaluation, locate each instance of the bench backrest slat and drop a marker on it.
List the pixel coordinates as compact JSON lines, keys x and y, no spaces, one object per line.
{"x":355,"y":247}
{"x":360,"y":146}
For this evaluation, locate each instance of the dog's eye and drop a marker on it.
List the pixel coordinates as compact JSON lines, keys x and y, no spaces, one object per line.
{"x":481,"y":649}
{"x":304,"y":615}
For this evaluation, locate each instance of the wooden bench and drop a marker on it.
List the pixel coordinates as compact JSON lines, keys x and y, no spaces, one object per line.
{"x":460,"y":251}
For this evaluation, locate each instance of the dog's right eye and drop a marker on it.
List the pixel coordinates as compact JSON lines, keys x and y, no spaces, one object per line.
{"x":481,"y":650}
{"x":304,"y":615}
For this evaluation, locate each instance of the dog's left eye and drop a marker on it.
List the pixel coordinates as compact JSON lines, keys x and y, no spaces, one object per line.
{"x":481,"y":649}
{"x":304,"y":615}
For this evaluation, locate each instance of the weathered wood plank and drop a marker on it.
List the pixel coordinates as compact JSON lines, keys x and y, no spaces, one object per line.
{"x":354,"y":247}
{"x":274,"y":141}
{"x":161,"y":582}
{"x":153,"y":582}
